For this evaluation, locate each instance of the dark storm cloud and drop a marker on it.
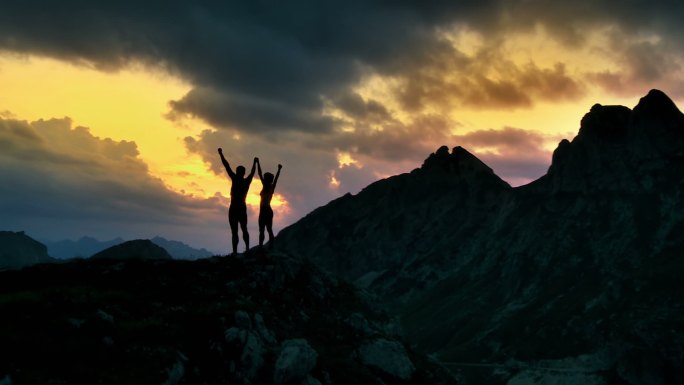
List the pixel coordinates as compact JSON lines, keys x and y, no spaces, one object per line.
{"x":485,"y":80}
{"x":255,"y":115}
{"x":52,"y":170}
{"x":393,"y":140}
{"x":266,"y":66}
{"x":355,"y":107}
{"x":647,"y":62}
{"x":281,"y":54}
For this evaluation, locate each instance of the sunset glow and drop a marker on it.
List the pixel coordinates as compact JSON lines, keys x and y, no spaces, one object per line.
{"x":507,"y":84}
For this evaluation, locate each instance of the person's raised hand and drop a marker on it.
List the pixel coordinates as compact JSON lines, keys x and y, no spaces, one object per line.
{"x":220,"y":150}
{"x":280,"y":166}
{"x":256,"y":159}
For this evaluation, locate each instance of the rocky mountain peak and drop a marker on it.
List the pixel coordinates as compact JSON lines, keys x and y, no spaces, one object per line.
{"x":459,"y":161}
{"x":458,"y":168}
{"x":605,"y":123}
{"x":562,"y":271}
{"x":618,"y":148}
{"x":657,"y":105}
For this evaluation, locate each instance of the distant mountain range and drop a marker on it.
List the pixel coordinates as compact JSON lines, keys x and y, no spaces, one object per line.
{"x":82,"y":248}
{"x":574,"y":278}
{"x":87,"y":246}
{"x":180,"y":250}
{"x":19,"y":250}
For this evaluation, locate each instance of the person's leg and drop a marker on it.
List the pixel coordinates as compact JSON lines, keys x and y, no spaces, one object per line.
{"x":269,"y":227}
{"x":261,"y":228}
{"x":243,"y":225}
{"x":233,"y":220}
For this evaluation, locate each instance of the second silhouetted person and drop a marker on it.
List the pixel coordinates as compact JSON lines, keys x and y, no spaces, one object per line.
{"x":265,"y":211}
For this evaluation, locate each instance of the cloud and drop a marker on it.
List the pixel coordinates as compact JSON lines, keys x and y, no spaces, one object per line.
{"x":54,"y":173}
{"x":263,"y":67}
{"x":396,"y":141}
{"x":271,"y":67}
{"x":516,"y":155}
{"x":486,"y":79}
{"x":248,"y":113}
{"x":647,"y":62}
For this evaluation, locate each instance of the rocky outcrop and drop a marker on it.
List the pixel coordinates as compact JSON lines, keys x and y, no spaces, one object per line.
{"x":555,"y":270}
{"x":18,"y":250}
{"x":296,"y":360}
{"x":253,"y":343}
{"x":223,"y":320}
{"x":388,"y":356}
{"x":136,"y":249}
{"x":618,"y":149}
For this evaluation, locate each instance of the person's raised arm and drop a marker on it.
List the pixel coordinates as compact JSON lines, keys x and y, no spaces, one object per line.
{"x":258,"y":163}
{"x":275,"y":180}
{"x":230,"y":172}
{"x":251,"y":173}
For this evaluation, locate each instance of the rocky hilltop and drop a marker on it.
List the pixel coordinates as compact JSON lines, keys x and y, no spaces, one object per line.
{"x":573,"y":278}
{"x":18,"y":250}
{"x":266,"y":319}
{"x":135,"y":249}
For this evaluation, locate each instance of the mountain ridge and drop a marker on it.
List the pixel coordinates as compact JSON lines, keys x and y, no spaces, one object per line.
{"x":481,"y":271}
{"x":86,"y":246}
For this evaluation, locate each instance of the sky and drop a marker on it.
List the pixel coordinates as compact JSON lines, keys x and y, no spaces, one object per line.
{"x":111,"y":113}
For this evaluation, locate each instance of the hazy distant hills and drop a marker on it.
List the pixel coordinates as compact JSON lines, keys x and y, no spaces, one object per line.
{"x":135,"y":249}
{"x":19,"y":250}
{"x":180,"y":250}
{"x":574,"y":278}
{"x":82,"y":248}
{"x":87,"y":246}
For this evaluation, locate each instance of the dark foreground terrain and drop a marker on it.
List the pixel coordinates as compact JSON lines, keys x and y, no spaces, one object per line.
{"x":223,"y":320}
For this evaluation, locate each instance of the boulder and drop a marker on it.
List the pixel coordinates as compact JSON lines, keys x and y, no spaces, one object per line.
{"x":387,"y":356}
{"x":297,"y":358}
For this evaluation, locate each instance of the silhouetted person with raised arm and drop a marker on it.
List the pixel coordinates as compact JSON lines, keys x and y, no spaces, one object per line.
{"x":268,"y":184}
{"x":237,"y":212}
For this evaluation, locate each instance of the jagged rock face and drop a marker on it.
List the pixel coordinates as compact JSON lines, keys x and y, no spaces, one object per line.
{"x":136,"y":249}
{"x":581,"y":268}
{"x":618,"y":149}
{"x":390,"y":224}
{"x":19,"y":250}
